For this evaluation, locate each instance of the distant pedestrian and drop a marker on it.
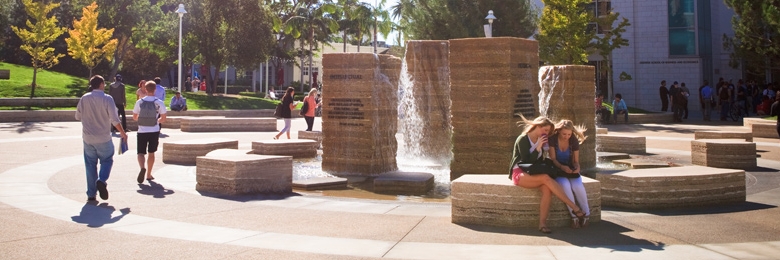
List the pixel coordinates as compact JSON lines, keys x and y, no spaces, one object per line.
{"x":707,"y":99}
{"x":288,"y":105}
{"x":195,"y":84}
{"x":117,"y":92}
{"x":188,"y":84}
{"x":95,"y":110}
{"x":675,"y":92}
{"x":149,"y":112}
{"x":725,"y":103}
{"x":684,"y":100}
{"x":141,"y":92}
{"x":311,"y":108}
{"x":160,"y":91}
{"x":663,"y":92}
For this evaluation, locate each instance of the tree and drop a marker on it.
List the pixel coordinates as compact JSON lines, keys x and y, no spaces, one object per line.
{"x":89,"y":44}
{"x":756,"y":33}
{"x":450,"y":19}
{"x":563,"y":32}
{"x":39,"y":35}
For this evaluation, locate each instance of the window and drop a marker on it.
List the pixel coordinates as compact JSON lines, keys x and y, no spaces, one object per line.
{"x":306,"y":70}
{"x":598,"y":8}
{"x":682,"y":28}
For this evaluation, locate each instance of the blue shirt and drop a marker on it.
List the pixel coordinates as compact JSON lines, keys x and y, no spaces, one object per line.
{"x":160,"y":93}
{"x":620,"y":106}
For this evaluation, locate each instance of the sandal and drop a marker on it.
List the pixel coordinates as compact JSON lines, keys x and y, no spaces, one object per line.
{"x":545,"y":230}
{"x":584,"y":223}
{"x":580,"y":215}
{"x":276,"y":138}
{"x":575,"y":223}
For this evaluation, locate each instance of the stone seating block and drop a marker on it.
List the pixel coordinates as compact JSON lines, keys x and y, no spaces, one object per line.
{"x":621,"y":144}
{"x":674,"y":187}
{"x":602,"y":131}
{"x":724,"y":153}
{"x":406,"y":183}
{"x":649,"y":118}
{"x":186,"y":152}
{"x":242,"y":174}
{"x":608,"y":157}
{"x":764,"y":130}
{"x":641,"y":164}
{"x":311,"y":135}
{"x":228,"y":152}
{"x":297,"y":148}
{"x":494,"y":200}
{"x":321,"y":183}
{"x":748,"y":136}
{"x":215,"y":124}
{"x":749,"y":121}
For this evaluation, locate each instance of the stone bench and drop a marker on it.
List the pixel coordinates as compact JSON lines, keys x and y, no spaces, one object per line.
{"x":186,"y":152}
{"x":404,"y":183}
{"x":641,"y":164}
{"x":748,"y":136}
{"x":243,"y":174}
{"x":321,"y":183}
{"x":649,"y":118}
{"x":213,"y":124}
{"x":493,"y":200}
{"x":608,"y":157}
{"x":764,"y":130}
{"x":621,"y":144}
{"x":749,"y":121}
{"x":311,"y":135}
{"x":724,"y":153}
{"x":297,"y":148}
{"x":602,"y":131}
{"x":171,"y":122}
{"x":675,"y":187}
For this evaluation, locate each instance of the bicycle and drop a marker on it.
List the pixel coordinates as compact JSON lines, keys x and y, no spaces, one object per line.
{"x":736,"y":112}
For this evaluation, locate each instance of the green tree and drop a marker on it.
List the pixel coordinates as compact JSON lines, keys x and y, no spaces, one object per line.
{"x":756,"y":33}
{"x":563,"y":32}
{"x":38,"y":36}
{"x":450,"y":19}
{"x":89,"y":44}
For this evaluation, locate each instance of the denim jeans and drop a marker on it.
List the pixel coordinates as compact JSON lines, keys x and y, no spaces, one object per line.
{"x":92,"y":153}
{"x":615,"y":115}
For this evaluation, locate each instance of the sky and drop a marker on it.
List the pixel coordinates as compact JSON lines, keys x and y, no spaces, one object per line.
{"x":393,"y":35}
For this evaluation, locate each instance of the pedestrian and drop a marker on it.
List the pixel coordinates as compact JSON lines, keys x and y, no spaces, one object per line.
{"x":95,"y":110}
{"x":742,"y":98}
{"x":725,"y":105}
{"x":684,"y":99}
{"x":707,"y":98}
{"x":188,"y":84}
{"x":160,"y":91}
{"x":149,"y":112}
{"x":288,"y":105}
{"x":117,"y":92}
{"x":311,"y":108}
{"x":664,"y":94}
{"x":195,"y":84}
{"x":601,"y":111}
{"x":675,"y":93}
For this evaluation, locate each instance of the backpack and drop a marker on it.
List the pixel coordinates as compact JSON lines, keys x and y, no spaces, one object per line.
{"x":148,"y":114}
{"x":305,"y":107}
{"x":724,"y":93}
{"x":278,"y":112}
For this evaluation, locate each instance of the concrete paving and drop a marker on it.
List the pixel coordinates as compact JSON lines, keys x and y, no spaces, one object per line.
{"x":44,"y":214}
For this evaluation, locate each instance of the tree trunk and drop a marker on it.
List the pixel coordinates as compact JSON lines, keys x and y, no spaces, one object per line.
{"x":301,"y":66}
{"x":345,"y":40}
{"x":35,"y":75}
{"x":311,"y":49}
{"x":119,"y":55}
{"x":375,"y":33}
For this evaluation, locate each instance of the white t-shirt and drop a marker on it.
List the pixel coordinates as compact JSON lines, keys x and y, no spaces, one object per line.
{"x":160,"y":110}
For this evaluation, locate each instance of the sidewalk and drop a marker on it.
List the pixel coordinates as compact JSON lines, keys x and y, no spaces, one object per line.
{"x":44,"y":214}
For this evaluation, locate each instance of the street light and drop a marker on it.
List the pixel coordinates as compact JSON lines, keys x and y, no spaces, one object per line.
{"x":181,"y":13}
{"x":490,"y":17}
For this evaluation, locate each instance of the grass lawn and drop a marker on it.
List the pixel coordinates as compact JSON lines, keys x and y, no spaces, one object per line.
{"x":771,"y":118}
{"x":55,"y":84}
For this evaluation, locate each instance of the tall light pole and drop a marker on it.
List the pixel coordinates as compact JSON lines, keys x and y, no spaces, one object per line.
{"x":490,"y":17}
{"x":181,"y":13}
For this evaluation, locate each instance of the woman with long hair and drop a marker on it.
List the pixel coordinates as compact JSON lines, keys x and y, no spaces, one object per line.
{"x":141,"y":92}
{"x":565,"y":143}
{"x":287,"y":107}
{"x":528,"y":150}
{"x":311,"y":100}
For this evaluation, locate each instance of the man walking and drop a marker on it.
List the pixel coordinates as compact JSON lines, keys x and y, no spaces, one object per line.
{"x":117,"y":92}
{"x":664,"y":93}
{"x":95,"y":110}
{"x":149,"y":112}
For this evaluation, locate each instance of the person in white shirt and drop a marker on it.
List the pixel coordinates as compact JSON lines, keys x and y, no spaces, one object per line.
{"x":149,"y":112}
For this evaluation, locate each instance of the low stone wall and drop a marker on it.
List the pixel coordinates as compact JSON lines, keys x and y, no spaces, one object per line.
{"x":311,"y":135}
{"x":297,"y":148}
{"x":186,"y":152}
{"x":241,"y":174}
{"x":724,"y":153}
{"x":675,"y":187}
{"x":493,"y":200}
{"x":749,"y":121}
{"x":764,"y":130}
{"x":621,"y":144}
{"x":215,"y":124}
{"x":748,"y":136}
{"x":69,"y":115}
{"x":39,"y":102}
{"x":650,"y":118}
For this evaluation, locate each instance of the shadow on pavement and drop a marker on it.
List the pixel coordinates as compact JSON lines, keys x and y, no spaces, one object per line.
{"x":739,"y":207}
{"x":95,"y":215}
{"x":246,"y":198}
{"x":154,"y":189}
{"x":25,"y":127}
{"x":603,"y":234}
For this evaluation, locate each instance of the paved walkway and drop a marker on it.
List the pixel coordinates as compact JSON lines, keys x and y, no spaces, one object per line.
{"x":44,"y":215}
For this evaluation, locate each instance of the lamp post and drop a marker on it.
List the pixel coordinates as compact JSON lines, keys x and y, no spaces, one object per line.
{"x":490,"y":17}
{"x":181,"y":13}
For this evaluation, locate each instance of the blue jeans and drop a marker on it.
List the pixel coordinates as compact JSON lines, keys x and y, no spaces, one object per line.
{"x":724,"y":109}
{"x":615,"y":115}
{"x":92,"y":153}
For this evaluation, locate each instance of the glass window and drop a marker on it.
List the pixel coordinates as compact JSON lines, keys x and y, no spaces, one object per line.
{"x":682,"y":32}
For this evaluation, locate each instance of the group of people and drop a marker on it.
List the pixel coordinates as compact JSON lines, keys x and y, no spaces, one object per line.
{"x":746,"y":97}
{"x":542,"y":141}
{"x":678,"y":95}
{"x":287,"y":105}
{"x":618,"y":108}
{"x":96,"y":110}
{"x":194,"y":84}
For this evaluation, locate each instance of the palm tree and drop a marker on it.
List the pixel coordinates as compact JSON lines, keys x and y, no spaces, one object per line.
{"x":382,"y":21}
{"x":401,"y":11}
{"x":310,"y":19}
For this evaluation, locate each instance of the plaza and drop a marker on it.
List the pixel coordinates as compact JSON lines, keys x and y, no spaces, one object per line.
{"x":44,"y":213}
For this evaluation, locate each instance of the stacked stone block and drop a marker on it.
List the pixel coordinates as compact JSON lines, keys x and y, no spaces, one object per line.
{"x":724,"y":153}
{"x":297,"y":148}
{"x":216,"y":124}
{"x":241,"y":174}
{"x":676,"y":187}
{"x":359,"y":113}
{"x":492,"y":81}
{"x":748,"y":136}
{"x":186,"y":152}
{"x":567,"y":92}
{"x":493,"y":200}
{"x":621,"y":144}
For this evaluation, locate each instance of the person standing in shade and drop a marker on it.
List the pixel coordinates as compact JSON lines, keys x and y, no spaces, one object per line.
{"x":149,"y":112}
{"x":117,"y":92}
{"x":95,"y":110}
{"x":313,"y":104}
{"x":288,"y":105}
{"x":188,"y":84}
{"x":664,"y":94}
{"x":707,"y":99}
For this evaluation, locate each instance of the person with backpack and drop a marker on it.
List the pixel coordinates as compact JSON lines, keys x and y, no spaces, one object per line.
{"x":310,"y":105}
{"x":724,"y":96}
{"x":149,"y":112}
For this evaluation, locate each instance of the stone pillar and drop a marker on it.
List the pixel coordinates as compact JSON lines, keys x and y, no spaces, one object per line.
{"x":492,"y":82}
{"x":427,"y":133}
{"x":359,"y":114}
{"x":567,"y":92}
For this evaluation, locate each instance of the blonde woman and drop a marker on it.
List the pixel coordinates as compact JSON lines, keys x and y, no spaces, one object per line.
{"x":527,"y":150}
{"x":565,"y":144}
{"x":311,"y":100}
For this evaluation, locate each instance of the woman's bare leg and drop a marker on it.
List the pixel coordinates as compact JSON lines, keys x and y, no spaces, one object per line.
{"x":544,"y":206}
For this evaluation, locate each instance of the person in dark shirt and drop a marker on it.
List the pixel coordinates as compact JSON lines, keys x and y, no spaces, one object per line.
{"x":664,"y":93}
